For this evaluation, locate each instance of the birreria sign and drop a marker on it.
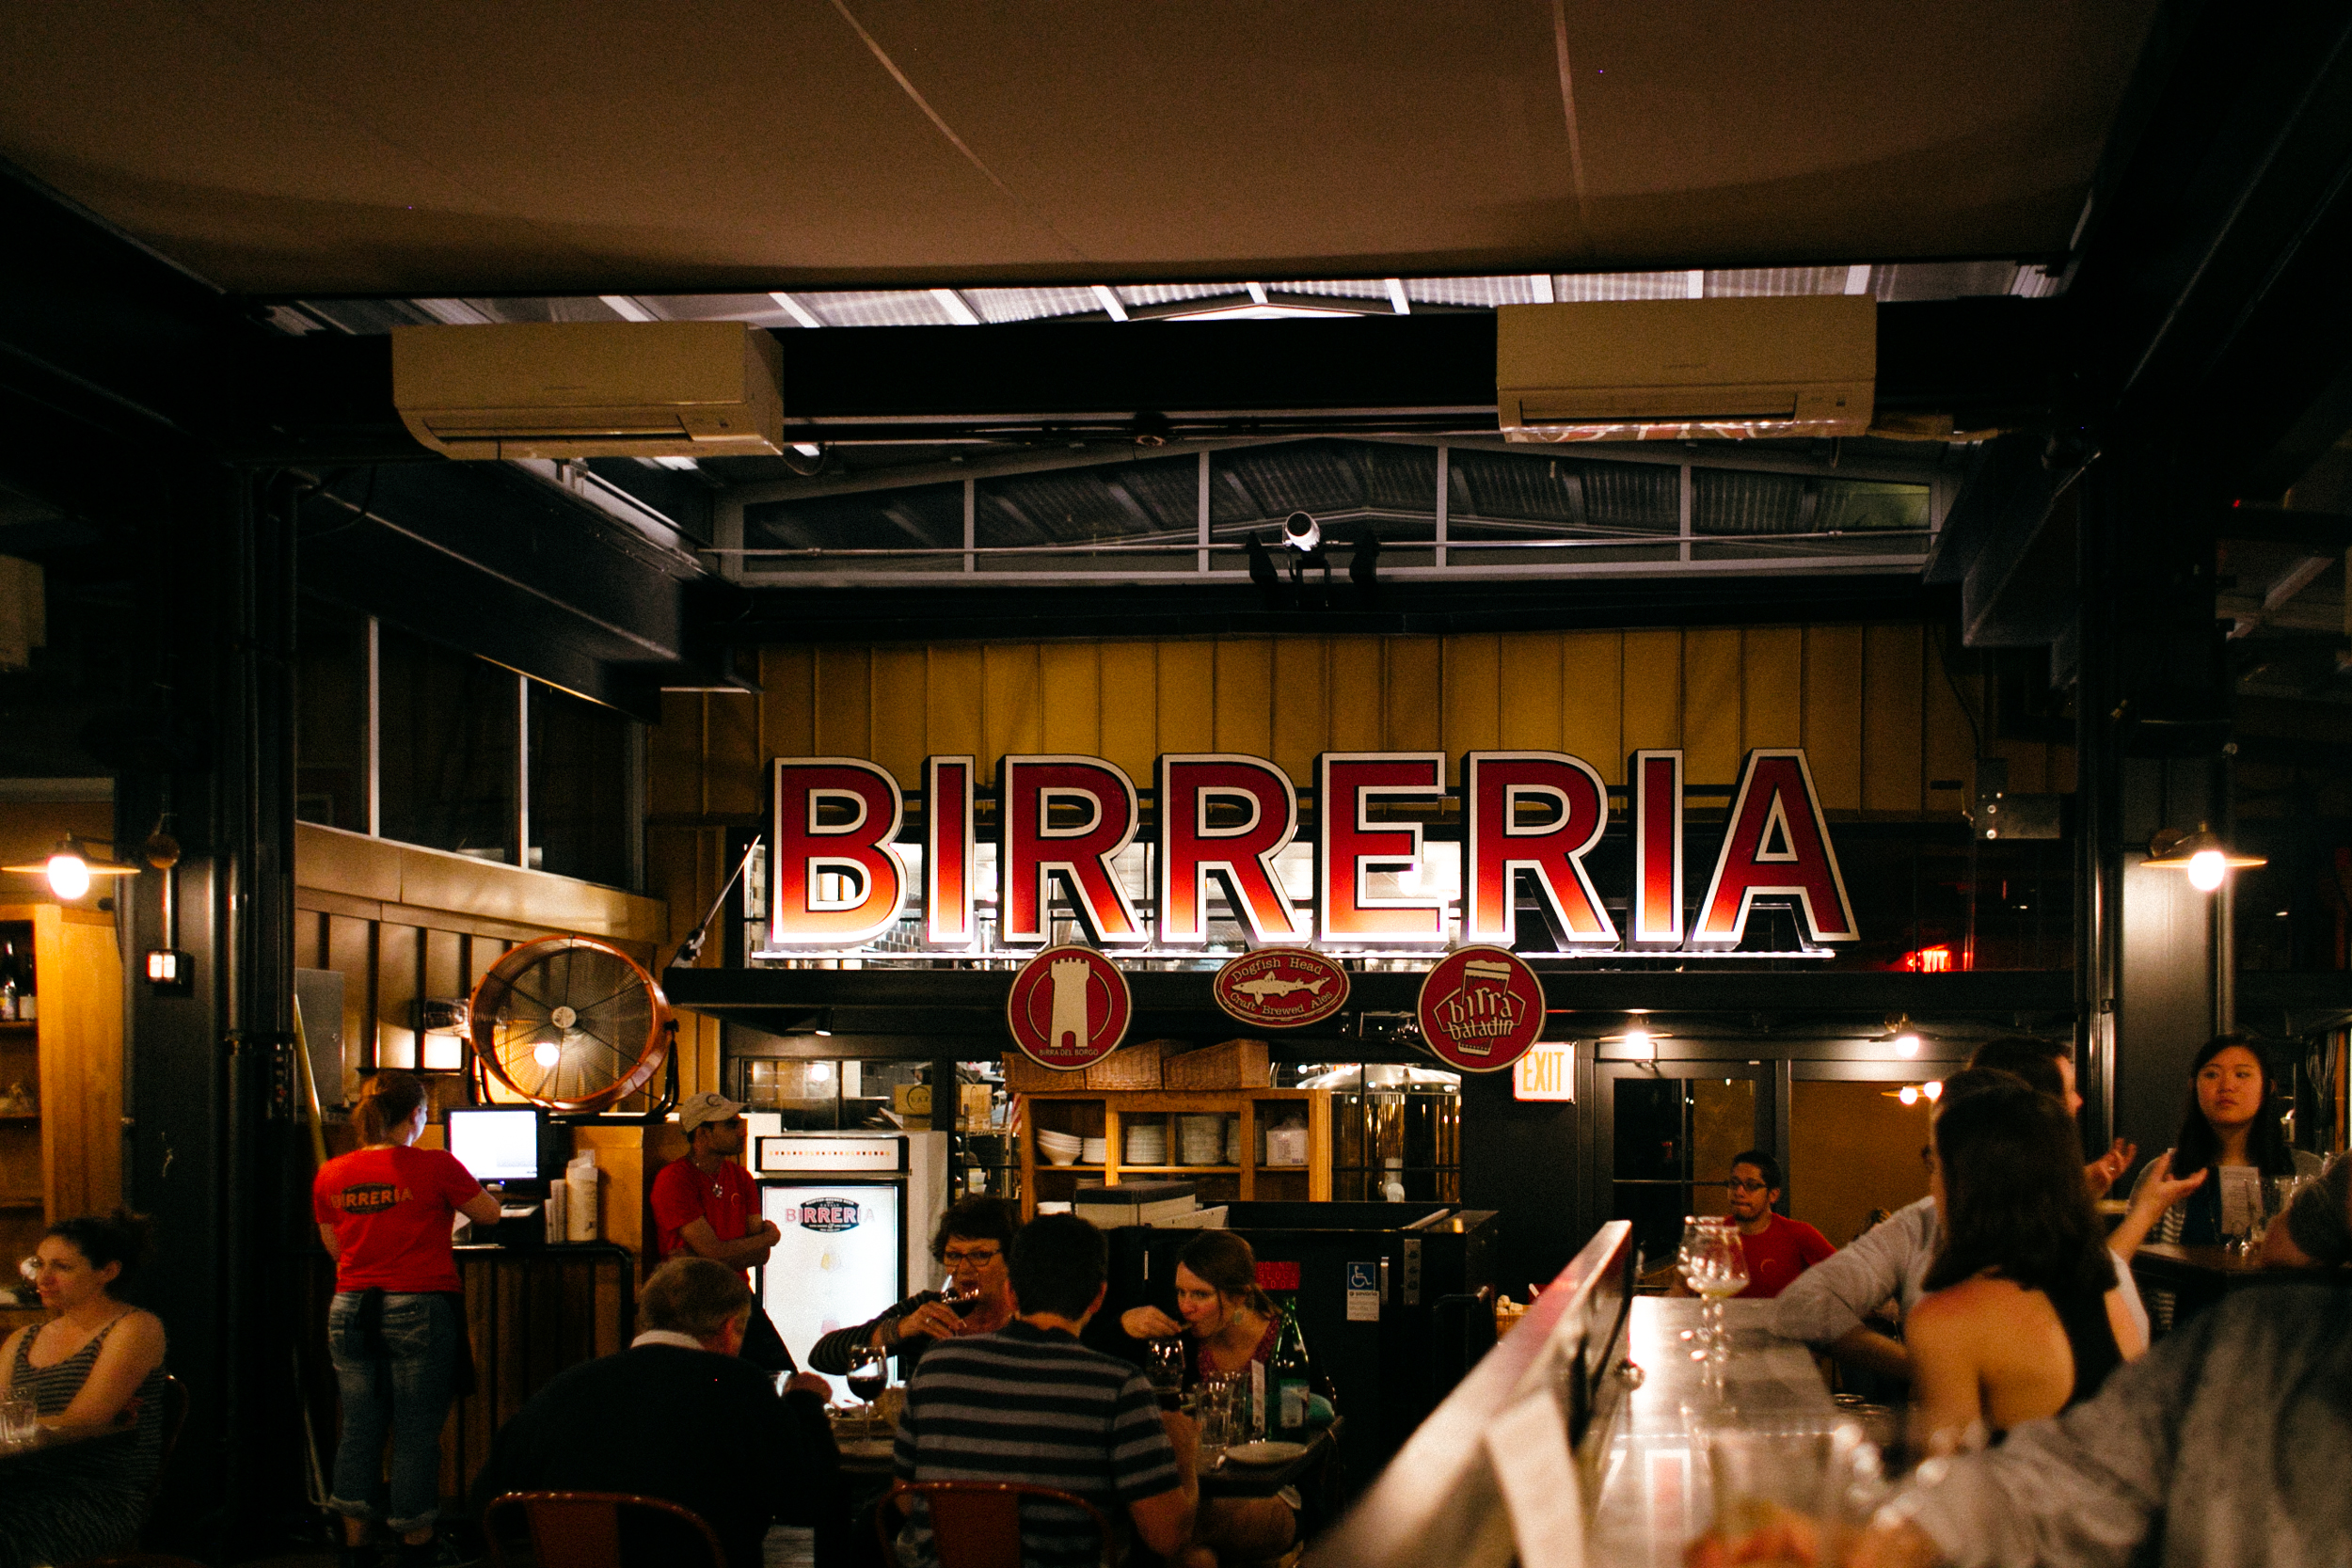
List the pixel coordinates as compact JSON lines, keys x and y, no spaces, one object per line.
{"x":1529,"y":820}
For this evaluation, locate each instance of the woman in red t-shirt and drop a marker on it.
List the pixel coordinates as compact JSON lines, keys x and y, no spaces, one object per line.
{"x":384,"y":1211}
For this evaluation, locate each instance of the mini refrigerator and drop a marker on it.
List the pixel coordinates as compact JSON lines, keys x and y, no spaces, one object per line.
{"x":857,"y":1211}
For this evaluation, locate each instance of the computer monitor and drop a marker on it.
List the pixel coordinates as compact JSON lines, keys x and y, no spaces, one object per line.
{"x":498,"y":1144}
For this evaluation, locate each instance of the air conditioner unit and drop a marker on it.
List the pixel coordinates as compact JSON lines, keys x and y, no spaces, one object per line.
{"x":1679,"y":369}
{"x":561,"y":390}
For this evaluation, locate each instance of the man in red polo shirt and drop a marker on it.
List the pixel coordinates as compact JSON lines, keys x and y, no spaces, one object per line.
{"x":706,"y":1205}
{"x":1778,"y":1248}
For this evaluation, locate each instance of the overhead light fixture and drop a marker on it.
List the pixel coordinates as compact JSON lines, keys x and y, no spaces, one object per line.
{"x":1901,"y":1038}
{"x":1301,"y":533}
{"x":1908,"y":1094}
{"x":1933,"y":1090}
{"x":546,"y":1053}
{"x":69,"y":868}
{"x":2202,"y":854}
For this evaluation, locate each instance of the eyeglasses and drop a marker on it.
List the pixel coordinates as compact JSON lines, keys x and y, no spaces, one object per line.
{"x":1741,"y":1184}
{"x":978,"y":1258}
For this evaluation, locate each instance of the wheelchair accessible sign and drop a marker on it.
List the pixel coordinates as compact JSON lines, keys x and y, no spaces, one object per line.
{"x":1363,"y":1292}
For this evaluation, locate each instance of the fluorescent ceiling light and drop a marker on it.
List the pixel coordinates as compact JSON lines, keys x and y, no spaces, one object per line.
{"x":1109,"y":300}
{"x":1397,"y":302}
{"x":953,"y":304}
{"x":627,"y":308}
{"x":794,"y":308}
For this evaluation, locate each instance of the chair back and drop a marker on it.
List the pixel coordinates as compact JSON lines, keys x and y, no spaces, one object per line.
{"x":582,"y":1529}
{"x":977,"y":1524}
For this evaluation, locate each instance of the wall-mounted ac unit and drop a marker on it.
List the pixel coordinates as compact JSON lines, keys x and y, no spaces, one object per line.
{"x":1677,"y":369}
{"x":560,"y":390}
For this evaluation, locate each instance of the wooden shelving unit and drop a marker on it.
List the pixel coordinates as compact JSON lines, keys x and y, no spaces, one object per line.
{"x":65,"y":1158}
{"x":1108,"y":1112}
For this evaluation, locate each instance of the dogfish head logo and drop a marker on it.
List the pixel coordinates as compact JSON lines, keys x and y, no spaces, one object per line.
{"x":1481,"y":1008}
{"x":827,"y":1214}
{"x":1281,"y":988}
{"x":1068,"y":1008}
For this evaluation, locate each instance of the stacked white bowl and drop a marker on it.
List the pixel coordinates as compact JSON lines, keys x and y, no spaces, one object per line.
{"x":1059,"y":1148}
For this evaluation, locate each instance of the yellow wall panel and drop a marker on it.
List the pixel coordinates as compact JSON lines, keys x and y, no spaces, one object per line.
{"x":1950,"y":743}
{"x":1653,"y":693}
{"x":951,"y":706}
{"x":1833,"y":714}
{"x":736,"y":764}
{"x":1592,"y":699}
{"x":1011,"y":720}
{"x":1772,"y":688}
{"x":1131,"y":733}
{"x":899,"y":703}
{"x":674,"y":756}
{"x":844,"y":702}
{"x":1528,"y":672}
{"x":1245,"y":696}
{"x":1358,"y":684}
{"x":1890,"y":718}
{"x":1472,"y":697}
{"x":1415,"y":718}
{"x":787,"y":702}
{"x":399,"y":952}
{"x":1069,"y":692}
{"x":1711,"y":706}
{"x":1187,"y":687}
{"x":1301,"y":710}
{"x":351,"y":948}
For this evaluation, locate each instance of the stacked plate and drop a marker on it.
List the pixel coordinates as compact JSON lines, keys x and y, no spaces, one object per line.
{"x":1200,"y":1140}
{"x":1059,"y":1148}
{"x":1146,"y":1144}
{"x":1232,"y":1140}
{"x":1094,"y":1151}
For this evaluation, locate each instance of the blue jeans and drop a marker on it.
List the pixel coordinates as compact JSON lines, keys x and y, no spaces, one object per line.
{"x":400,"y":1385}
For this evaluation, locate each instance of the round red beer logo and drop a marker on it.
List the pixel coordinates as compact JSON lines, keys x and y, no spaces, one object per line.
{"x":1068,"y":1008}
{"x":1481,"y":1008}
{"x":1281,"y":988}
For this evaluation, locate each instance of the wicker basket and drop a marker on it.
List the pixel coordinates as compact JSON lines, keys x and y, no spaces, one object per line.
{"x":1024,"y":1074}
{"x":1131,"y":1066}
{"x":1235,"y":1065}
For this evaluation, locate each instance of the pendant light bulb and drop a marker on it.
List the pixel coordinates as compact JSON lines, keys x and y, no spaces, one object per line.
{"x":547,"y":1054}
{"x":1910,"y":1095}
{"x":2205,"y":869}
{"x":69,"y":874}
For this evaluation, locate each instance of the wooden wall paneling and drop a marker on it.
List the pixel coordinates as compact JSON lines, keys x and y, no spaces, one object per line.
{"x":1470,"y":698}
{"x":1187,"y":696}
{"x":896,"y":724}
{"x":614,"y":1305}
{"x":1592,"y":699}
{"x":1652,"y":680}
{"x":444,"y":964}
{"x":400,"y":956}
{"x":2061,"y":770}
{"x":734,"y":767}
{"x":1833,"y":714}
{"x":951,"y":706}
{"x":1772,"y":688}
{"x":1128,"y":672}
{"x":788,"y":703}
{"x":1356,"y":684}
{"x":351,"y":952}
{"x":844,"y":702}
{"x":1950,"y":740}
{"x":1244,"y":720}
{"x":1712,"y":722}
{"x":1527,"y":665}
{"x":1011,"y":720}
{"x":674,"y":757}
{"x":1891,"y":755}
{"x":1301,"y":700}
{"x":1070,"y":701}
{"x":1415,"y":716}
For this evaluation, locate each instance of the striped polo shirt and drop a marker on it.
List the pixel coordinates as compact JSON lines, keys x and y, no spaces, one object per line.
{"x":1032,"y":1405}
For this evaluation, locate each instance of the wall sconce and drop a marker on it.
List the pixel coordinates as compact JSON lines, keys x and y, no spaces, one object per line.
{"x":441,"y":1022}
{"x":2202,"y":854}
{"x":169,"y":968}
{"x":69,"y":868}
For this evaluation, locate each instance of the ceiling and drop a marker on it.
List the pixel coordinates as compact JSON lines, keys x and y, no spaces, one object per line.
{"x":599,"y":147}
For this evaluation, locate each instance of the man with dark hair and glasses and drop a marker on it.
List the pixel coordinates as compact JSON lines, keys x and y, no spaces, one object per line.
{"x":973,"y":1241}
{"x":1778,"y":1248}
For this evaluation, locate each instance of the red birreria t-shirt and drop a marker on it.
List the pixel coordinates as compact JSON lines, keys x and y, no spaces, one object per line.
{"x":682,"y":1194}
{"x":1785,"y":1249}
{"x":392,"y":1211}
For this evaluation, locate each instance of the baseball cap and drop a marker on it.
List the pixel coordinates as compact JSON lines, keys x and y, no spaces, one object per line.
{"x":710,"y":1105}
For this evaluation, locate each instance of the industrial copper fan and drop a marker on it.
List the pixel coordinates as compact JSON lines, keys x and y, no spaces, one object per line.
{"x":570,"y":1023}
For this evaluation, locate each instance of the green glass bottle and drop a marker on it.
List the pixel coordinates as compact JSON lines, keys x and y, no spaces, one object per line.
{"x":1290,"y":1378}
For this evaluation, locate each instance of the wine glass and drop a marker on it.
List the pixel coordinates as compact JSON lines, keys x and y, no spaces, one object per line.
{"x":1692,"y":1258}
{"x":869,"y":1374}
{"x":1164,"y":1369}
{"x":1722,"y":1272}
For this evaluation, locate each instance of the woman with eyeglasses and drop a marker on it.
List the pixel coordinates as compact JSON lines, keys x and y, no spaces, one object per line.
{"x":972,"y":1241}
{"x":94,"y":1375}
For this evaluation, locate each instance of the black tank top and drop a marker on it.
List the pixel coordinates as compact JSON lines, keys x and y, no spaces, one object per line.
{"x":2083,"y":1316}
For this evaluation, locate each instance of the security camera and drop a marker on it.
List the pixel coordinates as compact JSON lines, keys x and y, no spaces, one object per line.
{"x":1301,"y":533}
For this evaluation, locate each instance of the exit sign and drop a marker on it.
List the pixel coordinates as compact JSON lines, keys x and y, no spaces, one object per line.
{"x":1547,"y":1072}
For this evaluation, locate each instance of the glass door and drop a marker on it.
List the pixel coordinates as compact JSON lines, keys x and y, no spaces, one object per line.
{"x":1664,"y":1136}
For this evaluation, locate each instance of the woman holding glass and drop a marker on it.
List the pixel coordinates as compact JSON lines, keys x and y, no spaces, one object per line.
{"x":2209,"y":1186}
{"x":2024,"y":1316}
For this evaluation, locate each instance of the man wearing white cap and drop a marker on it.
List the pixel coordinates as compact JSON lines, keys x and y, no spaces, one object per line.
{"x":703,"y":1205}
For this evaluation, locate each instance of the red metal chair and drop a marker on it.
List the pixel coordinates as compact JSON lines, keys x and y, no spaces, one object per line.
{"x":582,"y":1529}
{"x":975,"y":1524}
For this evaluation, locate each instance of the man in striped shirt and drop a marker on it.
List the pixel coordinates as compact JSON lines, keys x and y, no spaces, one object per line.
{"x":1029,"y":1403}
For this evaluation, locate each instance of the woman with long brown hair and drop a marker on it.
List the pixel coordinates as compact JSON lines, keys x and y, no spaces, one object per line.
{"x":1227,"y":1321}
{"x":384,"y":1211}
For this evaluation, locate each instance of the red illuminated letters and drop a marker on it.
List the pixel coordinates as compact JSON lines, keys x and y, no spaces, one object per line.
{"x":1192,"y":847}
{"x":1095,"y":821}
{"x":1655,"y":914}
{"x":1350,"y":850}
{"x":948,"y":851}
{"x":1574,"y":804}
{"x":836,"y":883}
{"x":1776,"y":844}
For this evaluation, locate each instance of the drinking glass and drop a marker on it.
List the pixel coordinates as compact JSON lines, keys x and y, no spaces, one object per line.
{"x":18,"y":1420}
{"x":1215,"y":1412}
{"x":869,"y":1374}
{"x":1164,"y":1369}
{"x":1704,"y":1260}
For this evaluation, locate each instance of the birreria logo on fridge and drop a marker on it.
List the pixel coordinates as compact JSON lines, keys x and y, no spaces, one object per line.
{"x":1367,"y":867}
